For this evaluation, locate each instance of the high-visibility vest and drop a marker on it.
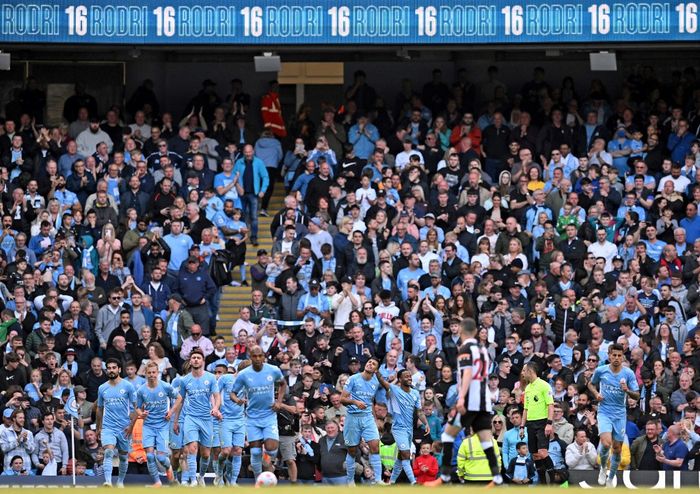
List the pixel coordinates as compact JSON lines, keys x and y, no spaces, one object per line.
{"x":271,"y":110}
{"x":388,"y":454}
{"x":137,"y":453}
{"x":472,"y":464}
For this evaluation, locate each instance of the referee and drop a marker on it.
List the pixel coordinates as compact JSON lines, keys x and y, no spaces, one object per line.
{"x":537,"y":417}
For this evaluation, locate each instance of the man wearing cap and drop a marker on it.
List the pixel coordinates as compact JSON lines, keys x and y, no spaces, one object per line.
{"x":515,"y":297}
{"x":430,"y":225}
{"x":437,"y":288}
{"x":313,"y":304}
{"x":197,"y":288}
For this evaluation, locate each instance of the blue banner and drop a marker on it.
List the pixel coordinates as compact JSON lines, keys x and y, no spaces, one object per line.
{"x":299,"y":22}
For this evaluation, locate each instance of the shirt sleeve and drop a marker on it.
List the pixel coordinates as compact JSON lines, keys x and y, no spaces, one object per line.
{"x":632,"y":381}
{"x":214,"y":386}
{"x":547,"y":391}
{"x":172,"y":394}
{"x":236,"y":386}
{"x":132,"y":395}
{"x":277,"y":374}
{"x":595,"y":379}
{"x":139,"y":398}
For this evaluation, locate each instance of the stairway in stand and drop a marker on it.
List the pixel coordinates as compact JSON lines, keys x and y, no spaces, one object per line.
{"x":236,"y":297}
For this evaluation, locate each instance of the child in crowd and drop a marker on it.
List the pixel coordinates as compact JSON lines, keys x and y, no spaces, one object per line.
{"x":425,"y":466}
{"x":521,"y":470}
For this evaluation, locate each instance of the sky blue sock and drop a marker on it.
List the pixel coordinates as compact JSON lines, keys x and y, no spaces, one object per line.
{"x":108,"y":464}
{"x":123,"y":467}
{"x":203,"y":465}
{"x":409,"y":471}
{"x":191,"y":465}
{"x":604,"y":453}
{"x":256,"y":461}
{"x":615,"y":460}
{"x":376,"y":461}
{"x":236,"y":461}
{"x":396,"y":471}
{"x":152,"y":467}
{"x":221,"y":463}
{"x":163,"y":460}
{"x":350,"y":467}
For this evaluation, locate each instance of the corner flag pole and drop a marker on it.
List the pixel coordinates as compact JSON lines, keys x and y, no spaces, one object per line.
{"x":72,"y":446}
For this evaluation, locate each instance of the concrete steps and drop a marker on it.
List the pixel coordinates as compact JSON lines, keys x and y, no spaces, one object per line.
{"x":234,"y":298}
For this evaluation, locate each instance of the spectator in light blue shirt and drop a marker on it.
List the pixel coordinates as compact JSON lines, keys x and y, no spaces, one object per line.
{"x":179,"y":244}
{"x":630,"y":204}
{"x":691,"y":223}
{"x":566,"y":349}
{"x":436,"y":287}
{"x":363,"y":136}
{"x":620,"y":148}
{"x":412,"y":272}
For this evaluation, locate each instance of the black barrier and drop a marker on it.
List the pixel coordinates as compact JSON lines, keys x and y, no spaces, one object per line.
{"x":588,"y":479}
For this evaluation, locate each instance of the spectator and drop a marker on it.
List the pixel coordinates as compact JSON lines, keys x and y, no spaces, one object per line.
{"x":673,"y":455}
{"x":333,"y":453}
{"x":54,"y":439}
{"x":581,"y":454}
{"x":521,"y":469}
{"x":643,"y":451}
{"x":425,"y":465}
{"x":16,"y":441}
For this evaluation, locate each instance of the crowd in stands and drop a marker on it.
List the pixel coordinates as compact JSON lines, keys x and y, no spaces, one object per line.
{"x":561,"y":218}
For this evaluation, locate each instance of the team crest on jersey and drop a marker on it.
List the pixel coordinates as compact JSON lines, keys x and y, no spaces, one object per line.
{"x":160,"y":395}
{"x":206,"y":382}
{"x":269,"y":378}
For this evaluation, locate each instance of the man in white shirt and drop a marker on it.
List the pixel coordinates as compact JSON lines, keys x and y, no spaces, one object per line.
{"x":318,"y":236}
{"x":581,"y":454}
{"x":680,"y":181}
{"x":603,"y":248}
{"x":404,"y":156}
{"x":89,"y":139}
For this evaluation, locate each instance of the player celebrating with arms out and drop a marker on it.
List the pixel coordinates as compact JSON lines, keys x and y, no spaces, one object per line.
{"x":537,"y":419}
{"x":403,"y":401}
{"x":615,"y":383}
{"x":200,"y":394}
{"x":258,"y":383}
{"x":473,"y":406}
{"x":116,"y":414}
{"x":358,"y":395}
{"x":153,"y":399}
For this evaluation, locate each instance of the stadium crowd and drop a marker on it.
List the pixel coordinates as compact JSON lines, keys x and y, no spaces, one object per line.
{"x":562,"y":219}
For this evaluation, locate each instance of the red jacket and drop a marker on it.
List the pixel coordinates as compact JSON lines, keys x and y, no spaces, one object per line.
{"x":271,"y":109}
{"x":429,"y":461}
